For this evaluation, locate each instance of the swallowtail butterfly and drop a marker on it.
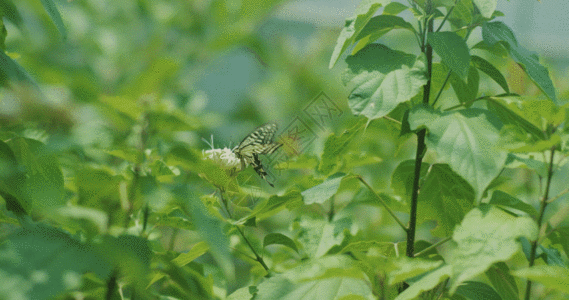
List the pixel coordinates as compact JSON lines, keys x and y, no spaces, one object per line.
{"x":260,"y":141}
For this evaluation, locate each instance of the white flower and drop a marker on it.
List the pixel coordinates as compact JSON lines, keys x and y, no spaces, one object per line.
{"x":225,"y":158}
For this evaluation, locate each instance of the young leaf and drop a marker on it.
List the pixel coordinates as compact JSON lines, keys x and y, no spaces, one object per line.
{"x":324,"y":191}
{"x":465,"y":140}
{"x":559,"y":237}
{"x":503,"y":281}
{"x":402,"y":177}
{"x":353,"y":26}
{"x":554,"y":277}
{"x":43,"y":185}
{"x":446,"y":198}
{"x":494,"y":32}
{"x":504,"y":199}
{"x":486,"y":235}
{"x":466,"y":92}
{"x":319,"y":236}
{"x":8,"y":9}
{"x":394,"y":8}
{"x":453,"y":51}
{"x":332,"y":277}
{"x":505,"y":108}
{"x":380,"y":78}
{"x":197,"y":250}
{"x":406,"y":268}
{"x":279,"y":239}
{"x":336,"y":146}
{"x":486,"y":7}
{"x":379,"y":26}
{"x":42,"y":262}
{"x":477,"y":290}
{"x":209,"y":228}
{"x":53,"y":13}
{"x":486,"y":67}
{"x":426,"y":283}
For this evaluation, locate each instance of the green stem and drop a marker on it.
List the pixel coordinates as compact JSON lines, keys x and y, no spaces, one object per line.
{"x":421,"y":146}
{"x":540,"y":219}
{"x":442,"y":88}
{"x":258,"y":258}
{"x":446,"y":17}
{"x":432,"y":246}
{"x":391,"y":212}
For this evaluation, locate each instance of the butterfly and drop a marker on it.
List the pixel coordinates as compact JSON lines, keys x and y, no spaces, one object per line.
{"x":258,"y":142}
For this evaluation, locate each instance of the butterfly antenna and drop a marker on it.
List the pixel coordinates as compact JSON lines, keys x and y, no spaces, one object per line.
{"x":210,"y":144}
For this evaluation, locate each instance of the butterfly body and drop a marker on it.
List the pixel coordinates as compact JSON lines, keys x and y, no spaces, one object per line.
{"x":258,"y":142}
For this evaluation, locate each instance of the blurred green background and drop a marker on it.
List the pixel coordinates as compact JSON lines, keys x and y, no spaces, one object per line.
{"x":219,"y":68}
{"x":222,"y":68}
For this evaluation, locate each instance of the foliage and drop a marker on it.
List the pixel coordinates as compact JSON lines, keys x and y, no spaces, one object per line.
{"x":425,"y":191}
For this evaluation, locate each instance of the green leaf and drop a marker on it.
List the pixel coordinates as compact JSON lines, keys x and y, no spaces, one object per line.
{"x":486,"y":67}
{"x":446,"y":198}
{"x":279,"y":239}
{"x":438,"y":78}
{"x":465,"y":140}
{"x":197,"y":250}
{"x":503,"y":281}
{"x":384,"y":248}
{"x":53,"y":13}
{"x":97,"y":186}
{"x":559,"y":237}
{"x":209,"y":227}
{"x":43,"y":185}
{"x":354,"y":25}
{"x":318,"y":236}
{"x":42,"y":262}
{"x":241,"y":294}
{"x":462,"y":14}
{"x":553,"y":277}
{"x":234,"y":23}
{"x":406,"y":268}
{"x":509,"y":113}
{"x":466,"y":92}
{"x":453,"y":51}
{"x":402,"y":177}
{"x":550,"y":255}
{"x":12,"y":182}
{"x":486,"y":7}
{"x":10,"y":70}
{"x":477,"y":290}
{"x":426,"y":283}
{"x":504,"y":199}
{"x":275,"y":204}
{"x":377,"y":27}
{"x":151,"y":81}
{"x":8,"y":9}
{"x":394,"y":8}
{"x":327,"y":278}
{"x":486,"y":235}
{"x":380,"y":78}
{"x":336,"y":146}
{"x":494,"y":32}
{"x":498,"y":49}
{"x":167,"y":122}
{"x":324,"y":191}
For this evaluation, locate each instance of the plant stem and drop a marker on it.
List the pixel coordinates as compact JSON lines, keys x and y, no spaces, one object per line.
{"x":432,"y":246}
{"x":421,"y":146}
{"x":540,"y":218}
{"x":257,"y":257}
{"x":383,"y":203}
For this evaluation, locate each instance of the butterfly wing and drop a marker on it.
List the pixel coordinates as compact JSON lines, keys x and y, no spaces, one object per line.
{"x":260,"y":141}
